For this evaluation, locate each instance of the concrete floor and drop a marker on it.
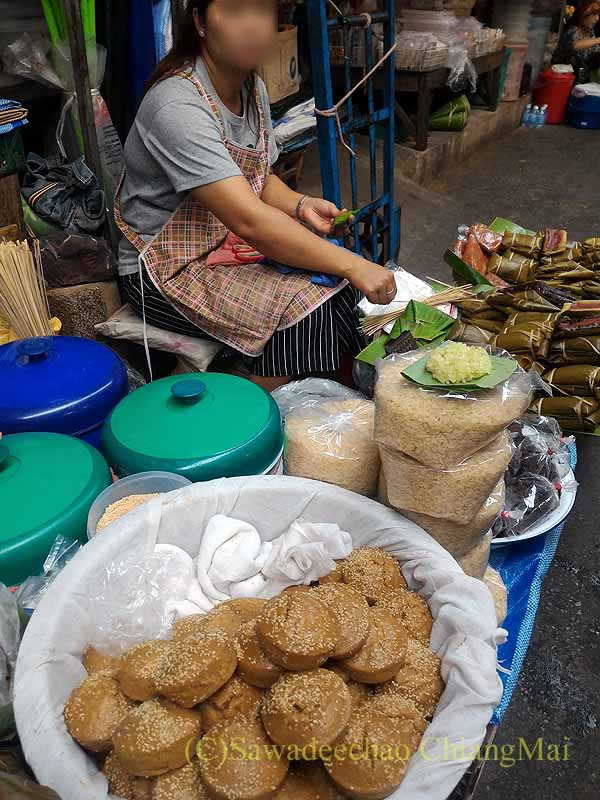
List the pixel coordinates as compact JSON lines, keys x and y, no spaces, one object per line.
{"x":539,"y":178}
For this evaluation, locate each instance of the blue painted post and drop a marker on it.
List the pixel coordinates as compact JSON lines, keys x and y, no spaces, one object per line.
{"x":321,"y":75}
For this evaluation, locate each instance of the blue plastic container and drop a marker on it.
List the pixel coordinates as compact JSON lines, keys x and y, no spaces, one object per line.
{"x":584,"y":112}
{"x":59,"y":384}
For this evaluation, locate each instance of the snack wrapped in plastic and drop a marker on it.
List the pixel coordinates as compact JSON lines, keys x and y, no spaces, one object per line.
{"x":442,"y":428}
{"x":332,"y":441}
{"x":489,"y":240}
{"x":457,"y":539}
{"x":529,"y":499}
{"x":455,"y":493}
{"x":540,"y":448}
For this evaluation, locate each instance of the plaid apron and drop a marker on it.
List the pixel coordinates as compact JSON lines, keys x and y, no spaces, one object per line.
{"x":242,"y":305}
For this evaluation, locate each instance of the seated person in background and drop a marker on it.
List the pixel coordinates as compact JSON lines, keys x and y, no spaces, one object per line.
{"x":579,"y":46}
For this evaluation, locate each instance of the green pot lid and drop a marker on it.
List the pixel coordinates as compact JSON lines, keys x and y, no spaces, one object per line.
{"x":48,"y":482}
{"x":213,"y":426}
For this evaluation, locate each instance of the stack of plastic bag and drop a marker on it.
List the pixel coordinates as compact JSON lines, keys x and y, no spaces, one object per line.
{"x":329,"y":435}
{"x":444,"y":455}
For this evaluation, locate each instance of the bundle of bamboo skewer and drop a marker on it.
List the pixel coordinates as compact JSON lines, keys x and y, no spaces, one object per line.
{"x":372,"y":325}
{"x":23,"y":300}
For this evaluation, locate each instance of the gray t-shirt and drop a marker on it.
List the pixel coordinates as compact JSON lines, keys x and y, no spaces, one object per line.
{"x":175,"y":145}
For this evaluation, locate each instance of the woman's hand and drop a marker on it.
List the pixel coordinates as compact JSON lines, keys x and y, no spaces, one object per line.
{"x":319,"y":214}
{"x":376,"y":282}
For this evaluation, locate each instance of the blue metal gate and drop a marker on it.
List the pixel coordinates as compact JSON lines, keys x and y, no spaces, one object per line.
{"x":376,"y":233}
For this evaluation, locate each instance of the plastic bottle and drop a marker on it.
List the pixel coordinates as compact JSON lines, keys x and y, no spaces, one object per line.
{"x":544,"y":113}
{"x":525,"y":119}
{"x":535,"y":117}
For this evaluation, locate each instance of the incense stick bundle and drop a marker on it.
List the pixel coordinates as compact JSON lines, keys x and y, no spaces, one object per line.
{"x":372,"y":325}
{"x":23,"y":300}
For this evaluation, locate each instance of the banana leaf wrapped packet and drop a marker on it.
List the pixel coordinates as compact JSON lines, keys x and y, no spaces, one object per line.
{"x":581,"y":350}
{"x":572,"y":413}
{"x":470,"y":334}
{"x":512,"y":271}
{"x":525,"y":243}
{"x":582,"y":380}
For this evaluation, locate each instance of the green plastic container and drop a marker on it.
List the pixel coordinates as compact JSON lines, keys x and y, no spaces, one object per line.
{"x":48,"y":482}
{"x":213,"y":426}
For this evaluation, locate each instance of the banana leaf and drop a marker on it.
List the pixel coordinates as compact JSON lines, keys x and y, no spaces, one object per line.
{"x":581,"y":350}
{"x":525,"y":243}
{"x":452,"y":116}
{"x":502,"y":368}
{"x":512,"y":271}
{"x":500,"y":225}
{"x":530,"y":364}
{"x":493,"y":325}
{"x":469,"y":334}
{"x":509,"y":255}
{"x":521,"y":341}
{"x":528,"y":320}
{"x":582,"y":380}
{"x":591,"y":289}
{"x":427,"y":324}
{"x":573,"y":413}
{"x":464,"y":272}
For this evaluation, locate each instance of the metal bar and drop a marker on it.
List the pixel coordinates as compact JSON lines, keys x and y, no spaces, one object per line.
{"x":348,"y":42}
{"x":357,"y":21}
{"x":391,"y":244}
{"x":321,"y":72}
{"x":360,"y":123}
{"x":81,"y":83}
{"x":368,"y":39}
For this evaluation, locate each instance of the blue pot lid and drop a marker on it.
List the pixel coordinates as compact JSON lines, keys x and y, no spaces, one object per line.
{"x":58,"y":384}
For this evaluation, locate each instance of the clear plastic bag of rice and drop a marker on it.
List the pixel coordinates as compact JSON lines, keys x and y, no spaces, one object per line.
{"x":456,"y":493}
{"x":457,"y":539}
{"x":474,"y":563}
{"x":332,"y":441}
{"x":310,"y":392}
{"x":442,"y":428}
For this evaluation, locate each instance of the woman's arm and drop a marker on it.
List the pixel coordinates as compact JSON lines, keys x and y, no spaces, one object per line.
{"x":273,"y":233}
{"x":315,"y":211}
{"x":584,"y":44}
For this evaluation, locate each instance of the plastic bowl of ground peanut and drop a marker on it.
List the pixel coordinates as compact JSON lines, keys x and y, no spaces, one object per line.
{"x":128,"y":493}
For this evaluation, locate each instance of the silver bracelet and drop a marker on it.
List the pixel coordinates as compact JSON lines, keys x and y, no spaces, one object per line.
{"x":301,"y":202}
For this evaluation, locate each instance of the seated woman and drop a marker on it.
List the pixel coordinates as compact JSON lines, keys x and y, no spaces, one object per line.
{"x":579,"y":46}
{"x":198,"y":174}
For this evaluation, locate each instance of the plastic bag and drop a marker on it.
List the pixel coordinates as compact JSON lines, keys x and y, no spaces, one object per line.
{"x":443,"y":428}
{"x":109,"y":144}
{"x":332,"y":441}
{"x":541,"y":449}
{"x":455,"y":493}
{"x":486,"y":237}
{"x":27,"y":56}
{"x":10,"y":636}
{"x":498,"y":591}
{"x":463,"y":75}
{"x":456,"y":538}
{"x":31,"y":591}
{"x":529,"y":499}
{"x":130,"y":600}
{"x":310,"y":392}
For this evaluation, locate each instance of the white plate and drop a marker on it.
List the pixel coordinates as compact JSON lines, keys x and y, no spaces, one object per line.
{"x":567,"y":500}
